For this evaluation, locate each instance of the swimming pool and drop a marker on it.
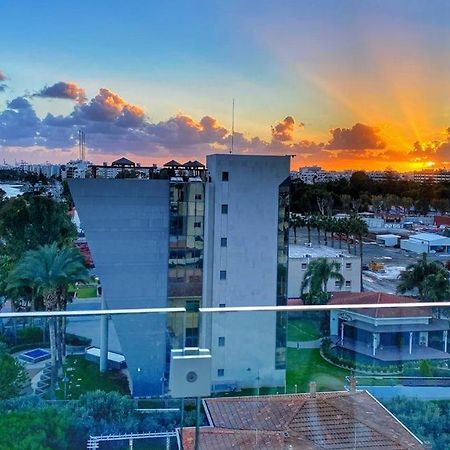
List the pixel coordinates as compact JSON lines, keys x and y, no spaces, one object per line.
{"x":35,"y":355}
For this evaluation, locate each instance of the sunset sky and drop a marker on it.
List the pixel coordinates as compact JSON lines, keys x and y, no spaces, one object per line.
{"x":342,"y":84}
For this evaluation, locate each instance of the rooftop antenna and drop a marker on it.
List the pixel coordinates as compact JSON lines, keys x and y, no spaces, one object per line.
{"x":232,"y":129}
{"x":81,"y":145}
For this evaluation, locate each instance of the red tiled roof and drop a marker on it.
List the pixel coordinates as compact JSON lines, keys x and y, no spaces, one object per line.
{"x":333,"y":420}
{"x":374,"y":298}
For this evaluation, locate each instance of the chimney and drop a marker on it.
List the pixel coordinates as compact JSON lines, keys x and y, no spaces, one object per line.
{"x":352,"y":384}
{"x":312,"y":389}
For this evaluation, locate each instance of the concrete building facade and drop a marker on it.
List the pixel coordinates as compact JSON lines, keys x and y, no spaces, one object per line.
{"x":300,"y":256}
{"x":246,"y":242}
{"x":221,"y":241}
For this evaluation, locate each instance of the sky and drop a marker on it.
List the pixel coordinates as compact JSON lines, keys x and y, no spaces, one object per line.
{"x":344,"y":84}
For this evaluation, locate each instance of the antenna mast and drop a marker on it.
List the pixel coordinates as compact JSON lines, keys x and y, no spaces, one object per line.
{"x":81,"y":145}
{"x":232,"y":128}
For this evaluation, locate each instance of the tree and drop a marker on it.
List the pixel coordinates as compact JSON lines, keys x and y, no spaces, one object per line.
{"x":13,"y":376}
{"x":49,"y":271}
{"x":359,"y":229}
{"x":296,"y":222}
{"x":429,"y":278}
{"x":316,"y":278}
{"x":27,"y":223}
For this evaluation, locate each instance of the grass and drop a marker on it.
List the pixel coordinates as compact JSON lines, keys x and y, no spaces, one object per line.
{"x":307,"y":365}
{"x":87,"y":291}
{"x":85,"y":376}
{"x":303,"y":330}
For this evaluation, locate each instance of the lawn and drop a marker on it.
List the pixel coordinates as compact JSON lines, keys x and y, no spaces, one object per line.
{"x":87,"y":291}
{"x":307,"y":365}
{"x":85,"y":376}
{"x":303,"y":330}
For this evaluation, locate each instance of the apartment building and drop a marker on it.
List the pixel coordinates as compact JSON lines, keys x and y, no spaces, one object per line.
{"x":300,"y":256}
{"x":214,"y":239}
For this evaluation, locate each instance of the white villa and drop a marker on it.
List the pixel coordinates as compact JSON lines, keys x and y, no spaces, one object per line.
{"x":388,"y":334}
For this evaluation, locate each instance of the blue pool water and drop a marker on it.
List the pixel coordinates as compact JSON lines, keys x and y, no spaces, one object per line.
{"x":37,"y":353}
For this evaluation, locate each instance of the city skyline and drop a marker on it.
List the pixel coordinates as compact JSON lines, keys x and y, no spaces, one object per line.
{"x":344,"y":85}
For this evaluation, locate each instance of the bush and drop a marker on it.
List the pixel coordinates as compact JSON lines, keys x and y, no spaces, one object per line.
{"x":29,"y":335}
{"x":78,"y":341}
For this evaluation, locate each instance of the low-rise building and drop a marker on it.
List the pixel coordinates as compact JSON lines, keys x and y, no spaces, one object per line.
{"x":387,"y":334}
{"x":426,"y":243}
{"x":310,"y":421}
{"x":300,"y":256}
{"x":388,"y":240}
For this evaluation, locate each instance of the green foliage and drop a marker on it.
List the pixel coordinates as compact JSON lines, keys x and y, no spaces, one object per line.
{"x":13,"y":376}
{"x":316,"y":278}
{"x":425,"y":369}
{"x":341,"y":194}
{"x":74,"y":339}
{"x":34,"y":430}
{"x":430,"y":278}
{"x":429,"y":420}
{"x":29,"y":335}
{"x":28,"y":223}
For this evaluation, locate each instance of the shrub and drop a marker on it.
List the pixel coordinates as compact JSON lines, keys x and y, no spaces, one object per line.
{"x":29,"y":335}
{"x":75,"y":340}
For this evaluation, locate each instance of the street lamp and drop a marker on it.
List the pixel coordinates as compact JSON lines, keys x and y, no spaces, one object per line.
{"x":65,"y":380}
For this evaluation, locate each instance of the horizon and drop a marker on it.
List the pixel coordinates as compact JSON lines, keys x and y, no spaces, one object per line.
{"x":341,"y":85}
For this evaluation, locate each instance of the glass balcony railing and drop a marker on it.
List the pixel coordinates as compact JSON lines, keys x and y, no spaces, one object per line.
{"x":335,"y":377}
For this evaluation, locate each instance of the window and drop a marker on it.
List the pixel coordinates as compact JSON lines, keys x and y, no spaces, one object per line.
{"x":197,"y":224}
{"x":348,"y":265}
{"x":198,"y":196}
{"x":304,"y":266}
{"x":337,"y":284}
{"x":222,"y":341}
{"x":348,"y":283}
{"x":224,"y":209}
{"x":220,"y":372}
{"x":222,"y":305}
{"x":223,"y":242}
{"x":224,"y":176}
{"x":223,"y":274}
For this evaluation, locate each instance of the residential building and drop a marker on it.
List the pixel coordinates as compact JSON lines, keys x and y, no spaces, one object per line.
{"x":75,"y":169}
{"x":432,"y":176}
{"x":426,"y":243}
{"x":387,"y":334}
{"x":300,"y":256}
{"x":215,"y":240}
{"x":310,"y":421}
{"x":246,"y":242}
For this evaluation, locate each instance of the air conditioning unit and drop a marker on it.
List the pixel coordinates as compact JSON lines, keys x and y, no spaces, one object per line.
{"x":190,"y":373}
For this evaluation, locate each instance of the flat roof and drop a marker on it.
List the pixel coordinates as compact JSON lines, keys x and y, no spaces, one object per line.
{"x":429,"y":237}
{"x":388,"y":236}
{"x":315,"y":251}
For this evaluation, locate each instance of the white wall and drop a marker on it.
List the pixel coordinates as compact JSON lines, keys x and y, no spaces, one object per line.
{"x":250,"y":260}
{"x":297,"y":272}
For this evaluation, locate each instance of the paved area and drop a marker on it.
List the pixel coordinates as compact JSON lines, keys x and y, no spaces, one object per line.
{"x":392,"y":353}
{"x":90,"y":326}
{"x":394,"y":259}
{"x":304,"y":344}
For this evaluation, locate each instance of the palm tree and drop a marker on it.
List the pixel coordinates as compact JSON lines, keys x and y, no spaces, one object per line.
{"x":49,"y":271}
{"x":359,"y":229}
{"x":416,"y":277}
{"x":296,"y":222}
{"x":316,"y":278}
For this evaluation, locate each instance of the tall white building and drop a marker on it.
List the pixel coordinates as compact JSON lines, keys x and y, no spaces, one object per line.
{"x":246,"y":244}
{"x":217,"y":239}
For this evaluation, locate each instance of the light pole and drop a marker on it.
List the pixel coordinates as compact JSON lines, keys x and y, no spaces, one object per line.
{"x":65,"y":380}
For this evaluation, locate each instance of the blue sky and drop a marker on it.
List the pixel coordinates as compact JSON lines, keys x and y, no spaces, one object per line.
{"x":328,"y":64}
